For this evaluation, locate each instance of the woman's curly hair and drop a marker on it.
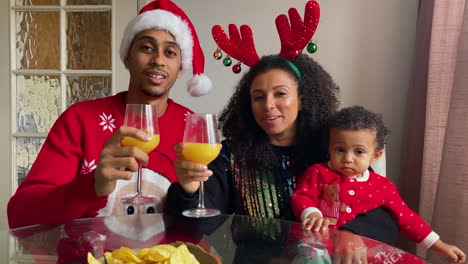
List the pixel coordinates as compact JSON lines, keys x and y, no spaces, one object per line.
{"x":359,"y":118}
{"x":319,"y":100}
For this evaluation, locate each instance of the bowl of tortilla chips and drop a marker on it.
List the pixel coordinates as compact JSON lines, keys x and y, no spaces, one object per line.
{"x":176,"y":252}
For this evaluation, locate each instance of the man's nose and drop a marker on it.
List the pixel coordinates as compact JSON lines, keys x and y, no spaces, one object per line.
{"x":157,"y":59}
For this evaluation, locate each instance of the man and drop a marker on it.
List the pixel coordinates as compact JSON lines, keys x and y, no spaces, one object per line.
{"x":82,"y":168}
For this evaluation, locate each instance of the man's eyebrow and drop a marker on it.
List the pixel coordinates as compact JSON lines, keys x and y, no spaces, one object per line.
{"x":146,"y":37}
{"x":174,"y":43}
{"x":169,"y":42}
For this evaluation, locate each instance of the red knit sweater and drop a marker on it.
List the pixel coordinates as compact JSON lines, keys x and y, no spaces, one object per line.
{"x":355,"y":196}
{"x":60,"y":185}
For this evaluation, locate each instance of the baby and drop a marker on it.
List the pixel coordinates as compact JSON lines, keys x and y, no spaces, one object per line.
{"x":336,"y":192}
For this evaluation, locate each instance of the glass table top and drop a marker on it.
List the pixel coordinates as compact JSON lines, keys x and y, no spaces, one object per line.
{"x":233,"y":239}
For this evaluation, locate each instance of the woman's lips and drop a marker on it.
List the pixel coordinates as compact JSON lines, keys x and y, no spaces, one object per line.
{"x":270,"y":120}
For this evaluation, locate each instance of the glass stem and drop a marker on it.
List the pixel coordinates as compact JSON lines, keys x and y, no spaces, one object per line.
{"x":139,"y":179}
{"x":201,"y":196}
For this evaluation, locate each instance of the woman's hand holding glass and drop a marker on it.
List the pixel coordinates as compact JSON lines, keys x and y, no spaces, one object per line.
{"x":189,"y":173}
{"x":201,"y":145}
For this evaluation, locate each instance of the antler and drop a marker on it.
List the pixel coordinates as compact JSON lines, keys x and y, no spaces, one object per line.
{"x":295,"y":37}
{"x":239,"y":46}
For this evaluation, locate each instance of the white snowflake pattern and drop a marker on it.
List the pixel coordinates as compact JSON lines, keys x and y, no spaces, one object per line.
{"x":107,"y":122}
{"x":87,"y":167}
{"x":185,"y":115}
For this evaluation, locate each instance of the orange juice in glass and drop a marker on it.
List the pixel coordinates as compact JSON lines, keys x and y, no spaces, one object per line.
{"x":203,"y":153}
{"x":201,"y":145}
{"x":143,"y":117}
{"x":147,"y":147}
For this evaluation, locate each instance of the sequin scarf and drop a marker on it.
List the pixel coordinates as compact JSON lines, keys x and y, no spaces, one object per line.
{"x":266,"y":193}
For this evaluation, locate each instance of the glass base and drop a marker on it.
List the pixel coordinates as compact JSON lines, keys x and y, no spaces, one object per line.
{"x":201,"y":212}
{"x":138,"y":199}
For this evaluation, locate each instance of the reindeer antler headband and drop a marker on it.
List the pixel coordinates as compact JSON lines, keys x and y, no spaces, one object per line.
{"x":294,"y":34}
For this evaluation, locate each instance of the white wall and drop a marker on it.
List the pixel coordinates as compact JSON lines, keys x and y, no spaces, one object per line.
{"x":123,"y":12}
{"x":366,"y":45}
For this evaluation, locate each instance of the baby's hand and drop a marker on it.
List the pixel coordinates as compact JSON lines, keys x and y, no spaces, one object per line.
{"x":456,"y":255}
{"x":452,"y":253}
{"x":315,"y":221}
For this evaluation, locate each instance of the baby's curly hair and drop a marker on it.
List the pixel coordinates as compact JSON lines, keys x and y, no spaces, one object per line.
{"x":319,"y":100}
{"x":359,"y":118}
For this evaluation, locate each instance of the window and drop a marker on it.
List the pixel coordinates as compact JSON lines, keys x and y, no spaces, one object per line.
{"x":61,"y":54}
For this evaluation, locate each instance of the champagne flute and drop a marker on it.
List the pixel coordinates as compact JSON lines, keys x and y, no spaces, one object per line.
{"x":201,"y":145}
{"x":143,"y":117}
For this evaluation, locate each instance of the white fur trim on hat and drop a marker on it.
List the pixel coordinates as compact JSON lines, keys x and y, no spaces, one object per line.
{"x":199,"y":85}
{"x":160,"y":19}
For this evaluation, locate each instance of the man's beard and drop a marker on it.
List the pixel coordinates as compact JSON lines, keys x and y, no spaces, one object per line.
{"x":154,"y":94}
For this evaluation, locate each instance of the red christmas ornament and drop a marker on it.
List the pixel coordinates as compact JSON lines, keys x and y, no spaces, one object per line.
{"x":236,"y":68}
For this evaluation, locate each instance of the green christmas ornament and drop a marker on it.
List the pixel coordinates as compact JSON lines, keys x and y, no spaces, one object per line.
{"x":227,"y":61}
{"x":311,"y":47}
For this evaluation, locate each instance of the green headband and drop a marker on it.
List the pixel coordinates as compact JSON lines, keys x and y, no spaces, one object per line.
{"x":294,"y":67}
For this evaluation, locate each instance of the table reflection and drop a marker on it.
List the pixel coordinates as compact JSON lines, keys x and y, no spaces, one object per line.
{"x":234,"y":239}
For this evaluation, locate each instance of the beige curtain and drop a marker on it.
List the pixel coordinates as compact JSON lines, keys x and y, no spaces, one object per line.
{"x":435,"y":166}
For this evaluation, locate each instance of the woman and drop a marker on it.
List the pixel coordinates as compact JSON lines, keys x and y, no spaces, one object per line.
{"x":272,"y":125}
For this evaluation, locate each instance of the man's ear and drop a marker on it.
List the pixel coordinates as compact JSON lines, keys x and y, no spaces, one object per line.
{"x":180,"y":71}
{"x":126,"y":63}
{"x":377,"y":155}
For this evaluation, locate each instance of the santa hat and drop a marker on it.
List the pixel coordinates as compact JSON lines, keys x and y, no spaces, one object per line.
{"x":164,"y":14}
